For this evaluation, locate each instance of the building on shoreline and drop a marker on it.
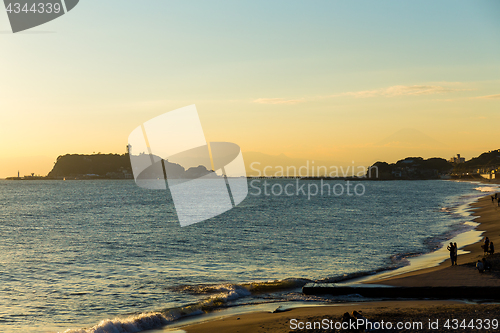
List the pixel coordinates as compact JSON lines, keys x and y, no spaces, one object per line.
{"x":457,"y":159}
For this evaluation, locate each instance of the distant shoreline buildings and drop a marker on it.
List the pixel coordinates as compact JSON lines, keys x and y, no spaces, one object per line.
{"x":457,"y":159}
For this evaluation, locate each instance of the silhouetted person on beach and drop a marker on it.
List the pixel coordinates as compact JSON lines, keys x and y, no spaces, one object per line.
{"x":486,"y":245}
{"x":455,"y":253}
{"x":480,"y":266}
{"x":451,"y":248}
{"x":346,"y":318}
{"x":496,"y":196}
{"x":492,"y":248}
{"x":492,"y":198}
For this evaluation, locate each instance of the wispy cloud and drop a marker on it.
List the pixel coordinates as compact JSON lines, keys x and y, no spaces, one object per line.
{"x":400,"y":90}
{"x":497,"y":96}
{"x":393,"y":91}
{"x":279,"y":101}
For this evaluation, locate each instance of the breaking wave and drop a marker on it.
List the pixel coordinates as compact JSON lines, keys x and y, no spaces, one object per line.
{"x":220,"y":296}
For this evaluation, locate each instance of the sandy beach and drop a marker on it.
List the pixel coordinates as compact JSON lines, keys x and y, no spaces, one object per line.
{"x":407,"y":312}
{"x":465,"y":274}
{"x":417,"y":314}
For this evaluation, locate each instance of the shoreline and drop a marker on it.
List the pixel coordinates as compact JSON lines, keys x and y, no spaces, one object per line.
{"x":415,"y":312}
{"x":486,"y":215}
{"x":265,"y":314}
{"x":441,"y":256}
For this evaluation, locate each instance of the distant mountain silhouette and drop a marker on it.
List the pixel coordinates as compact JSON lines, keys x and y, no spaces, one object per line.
{"x":404,"y":142}
{"x":409,"y":138}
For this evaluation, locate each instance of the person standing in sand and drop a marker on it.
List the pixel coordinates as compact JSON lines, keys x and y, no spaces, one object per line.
{"x":455,"y":253}
{"x":486,"y":245}
{"x":451,"y":248}
{"x":492,"y":248}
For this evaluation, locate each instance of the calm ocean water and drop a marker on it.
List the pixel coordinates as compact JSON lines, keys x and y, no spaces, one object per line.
{"x":75,"y":253}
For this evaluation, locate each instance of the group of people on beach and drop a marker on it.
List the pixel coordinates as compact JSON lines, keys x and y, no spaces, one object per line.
{"x":488,"y":247}
{"x":497,"y":198}
{"x":483,"y":265}
{"x":453,"y":253}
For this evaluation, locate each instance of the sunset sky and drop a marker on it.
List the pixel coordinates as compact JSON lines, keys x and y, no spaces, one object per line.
{"x":336,"y":81}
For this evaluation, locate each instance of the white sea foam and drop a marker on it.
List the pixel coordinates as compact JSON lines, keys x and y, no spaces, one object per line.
{"x":133,"y":324}
{"x":487,"y":188}
{"x":220,"y":294}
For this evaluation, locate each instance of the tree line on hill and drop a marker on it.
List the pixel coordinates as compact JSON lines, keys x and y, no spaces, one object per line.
{"x":92,"y":166}
{"x":410,"y":168}
{"x":435,"y":168}
{"x":484,"y":163}
{"x":116,"y":166}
